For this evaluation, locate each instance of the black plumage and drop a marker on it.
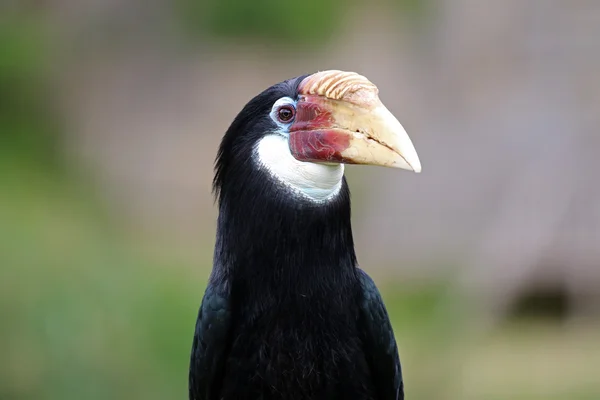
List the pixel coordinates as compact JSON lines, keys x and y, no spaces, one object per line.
{"x":287,"y":313}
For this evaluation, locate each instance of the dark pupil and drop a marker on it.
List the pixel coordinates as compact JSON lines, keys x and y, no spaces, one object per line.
{"x":285,"y":114}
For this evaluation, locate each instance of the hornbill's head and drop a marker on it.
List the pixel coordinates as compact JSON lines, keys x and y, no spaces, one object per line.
{"x":298,"y":134}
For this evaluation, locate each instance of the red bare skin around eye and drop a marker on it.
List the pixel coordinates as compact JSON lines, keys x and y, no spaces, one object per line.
{"x":319,"y":145}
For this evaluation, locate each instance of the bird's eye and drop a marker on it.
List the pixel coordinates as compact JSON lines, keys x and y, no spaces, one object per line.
{"x":286,"y":113}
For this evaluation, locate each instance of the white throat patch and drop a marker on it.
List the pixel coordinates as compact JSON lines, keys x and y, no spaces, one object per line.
{"x":316,"y":182}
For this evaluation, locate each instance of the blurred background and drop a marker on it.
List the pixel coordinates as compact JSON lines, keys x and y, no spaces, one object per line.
{"x":110,"y":115}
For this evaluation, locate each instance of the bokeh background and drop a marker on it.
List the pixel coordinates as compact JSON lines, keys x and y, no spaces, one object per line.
{"x":110,"y":115}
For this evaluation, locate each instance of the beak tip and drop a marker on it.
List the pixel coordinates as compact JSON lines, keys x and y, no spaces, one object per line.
{"x":416,"y":166}
{"x":409,"y":163}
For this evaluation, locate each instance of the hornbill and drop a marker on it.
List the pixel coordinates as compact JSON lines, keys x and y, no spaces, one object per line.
{"x":287,"y":313}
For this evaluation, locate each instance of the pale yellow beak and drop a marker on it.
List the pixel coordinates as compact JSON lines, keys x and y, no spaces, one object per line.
{"x":341,"y":119}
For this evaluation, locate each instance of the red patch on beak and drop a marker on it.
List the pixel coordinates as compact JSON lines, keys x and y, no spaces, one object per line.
{"x":314,"y":135}
{"x":312,"y":114}
{"x":322,"y":145}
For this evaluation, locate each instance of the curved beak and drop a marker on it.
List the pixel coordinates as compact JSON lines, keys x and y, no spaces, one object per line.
{"x":340,"y":119}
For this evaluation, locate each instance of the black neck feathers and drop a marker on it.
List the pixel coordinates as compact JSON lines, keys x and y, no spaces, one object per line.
{"x":266,"y":232}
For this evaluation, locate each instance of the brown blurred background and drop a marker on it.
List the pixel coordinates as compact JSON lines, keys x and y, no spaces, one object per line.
{"x":110,"y":115}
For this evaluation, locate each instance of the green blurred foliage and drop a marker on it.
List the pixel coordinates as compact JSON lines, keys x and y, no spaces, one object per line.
{"x":83,"y":315}
{"x":29,"y":121}
{"x":307,"y":23}
{"x":267,"y":21}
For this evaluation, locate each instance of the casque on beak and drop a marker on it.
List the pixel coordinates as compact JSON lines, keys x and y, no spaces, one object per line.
{"x":340,"y":119}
